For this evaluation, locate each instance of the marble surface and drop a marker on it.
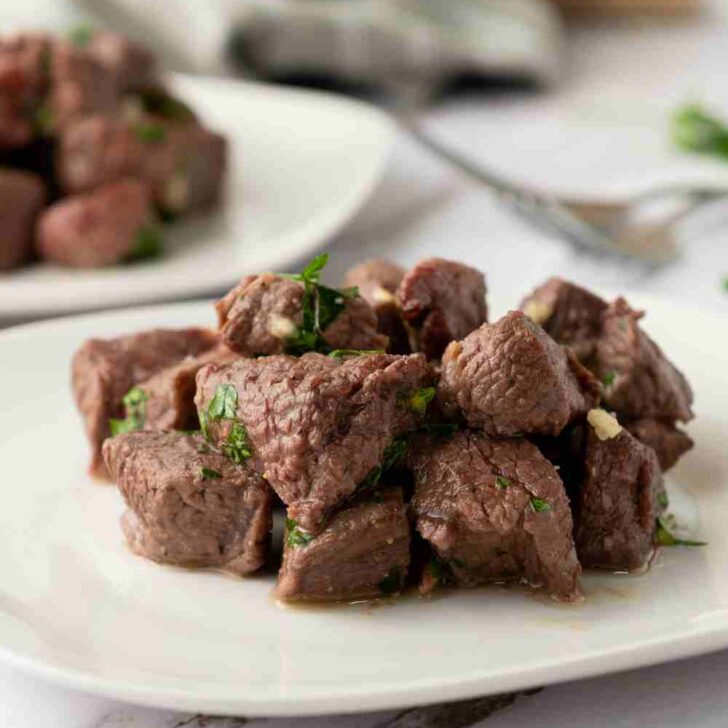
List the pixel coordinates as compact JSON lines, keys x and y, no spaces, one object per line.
{"x":603,"y":132}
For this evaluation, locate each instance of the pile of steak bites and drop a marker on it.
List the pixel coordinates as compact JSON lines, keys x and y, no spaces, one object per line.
{"x":94,"y":151}
{"x":410,"y":441}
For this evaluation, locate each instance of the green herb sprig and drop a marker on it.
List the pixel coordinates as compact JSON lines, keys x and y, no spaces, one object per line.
{"x":135,"y":408}
{"x":295,"y":537}
{"x":210,"y":474}
{"x":223,"y":406}
{"x":664,"y":537}
{"x":150,"y":133}
{"x":345,"y":353}
{"x":420,"y":400}
{"x":539,"y":506}
{"x":147,"y":243}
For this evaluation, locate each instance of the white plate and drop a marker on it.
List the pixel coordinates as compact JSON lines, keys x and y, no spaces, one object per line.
{"x":301,"y":163}
{"x":77,"y":607}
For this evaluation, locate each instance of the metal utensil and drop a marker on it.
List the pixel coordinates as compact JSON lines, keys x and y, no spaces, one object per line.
{"x":642,"y":226}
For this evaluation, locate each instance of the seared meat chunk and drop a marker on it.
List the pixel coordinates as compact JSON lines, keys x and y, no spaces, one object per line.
{"x":639,"y":380}
{"x":511,"y":378}
{"x":184,"y":164}
{"x":362,"y":553}
{"x":618,"y":505}
{"x":571,"y":315}
{"x":22,"y":195}
{"x":170,"y":403}
{"x":130,"y":65}
{"x":104,"y":370}
{"x":442,"y":301}
{"x":377,"y":281}
{"x":102,"y":227}
{"x":188,"y":505}
{"x":263,"y":314}
{"x":494,"y":510}
{"x":313,"y":426}
{"x":668,"y":442}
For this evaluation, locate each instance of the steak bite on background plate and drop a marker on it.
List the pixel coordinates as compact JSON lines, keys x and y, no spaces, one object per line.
{"x":441,"y":301}
{"x":264,"y":315}
{"x":363,"y":552}
{"x":313,"y":426}
{"x":188,"y":505}
{"x":510,"y":378}
{"x":377,"y":281}
{"x":618,"y":503}
{"x":108,"y":225}
{"x":570,"y":314}
{"x":22,"y":195}
{"x":104,"y":370}
{"x":494,"y":510}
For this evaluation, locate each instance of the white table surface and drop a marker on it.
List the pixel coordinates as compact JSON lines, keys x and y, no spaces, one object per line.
{"x":603,"y":131}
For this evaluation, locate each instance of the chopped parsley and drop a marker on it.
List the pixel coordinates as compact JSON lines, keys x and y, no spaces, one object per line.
{"x":695,"y":130}
{"x":608,"y":379}
{"x":81,"y":35}
{"x":458,"y":562}
{"x":209,"y":474}
{"x":158,"y":102}
{"x":295,"y":536}
{"x":149,"y":132}
{"x":662,"y":499}
{"x":44,"y":121}
{"x":320,"y":307}
{"x":223,"y":406}
{"x":420,"y":400}
{"x":135,"y":407}
{"x":539,"y":506}
{"x":664,"y":537}
{"x":147,"y":243}
{"x":391,"y":583}
{"x":343,"y":353}
{"x":393,"y":455}
{"x":502,"y":482}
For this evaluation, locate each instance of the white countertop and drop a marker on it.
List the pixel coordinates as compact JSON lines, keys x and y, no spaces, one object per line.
{"x":603,"y":131}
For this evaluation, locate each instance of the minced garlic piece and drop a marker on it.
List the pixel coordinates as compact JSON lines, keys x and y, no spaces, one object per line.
{"x":382,"y":295}
{"x":177,"y":192}
{"x":605,"y":425}
{"x":538,"y":311}
{"x":281,"y":327}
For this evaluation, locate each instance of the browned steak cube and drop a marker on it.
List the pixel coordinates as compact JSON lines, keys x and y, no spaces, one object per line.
{"x":79,"y":85}
{"x":22,"y":195}
{"x":170,"y":403}
{"x":263,"y":314}
{"x":571,"y":315}
{"x":639,"y":380}
{"x":618,"y":506}
{"x":442,"y":301}
{"x":511,"y":378}
{"x":23,"y":82}
{"x":362,"y":553}
{"x":494,"y":510}
{"x":377,"y":281}
{"x":668,"y":442}
{"x":130,"y":64}
{"x":105,"y":226}
{"x":104,"y":370}
{"x":313,"y":426}
{"x":188,"y":505}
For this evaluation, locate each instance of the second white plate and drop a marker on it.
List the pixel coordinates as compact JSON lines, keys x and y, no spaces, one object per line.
{"x":301,"y":163}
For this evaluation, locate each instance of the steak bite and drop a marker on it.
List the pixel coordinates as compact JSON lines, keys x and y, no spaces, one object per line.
{"x":511,"y":378}
{"x":494,"y":510}
{"x":377,"y":281}
{"x":22,"y":195}
{"x":131,"y":65}
{"x":104,"y":370}
{"x":263,"y":315}
{"x":639,"y":380}
{"x":569,"y":314}
{"x":668,"y":442}
{"x":105,"y":226}
{"x":442,"y":301}
{"x":618,"y":507}
{"x":188,"y":505}
{"x":170,"y":394}
{"x":313,"y":426}
{"x":363,"y":552}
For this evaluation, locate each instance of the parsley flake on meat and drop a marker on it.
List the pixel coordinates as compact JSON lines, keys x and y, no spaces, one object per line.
{"x":135,"y":407}
{"x":209,"y":474}
{"x":502,"y":483}
{"x":608,"y":379}
{"x":539,"y":506}
{"x":421,"y":399}
{"x":393,"y":455}
{"x":223,"y":406}
{"x":295,"y":536}
{"x":150,"y":133}
{"x":81,"y":35}
{"x":147,"y":243}
{"x":343,"y":353}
